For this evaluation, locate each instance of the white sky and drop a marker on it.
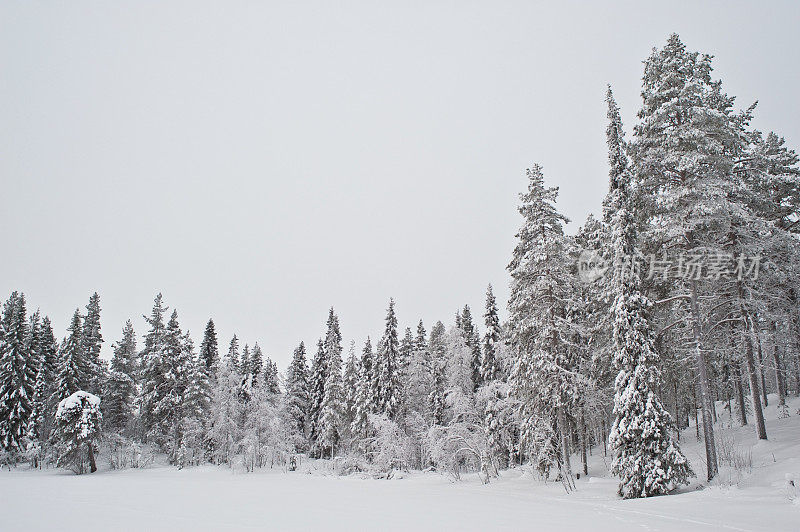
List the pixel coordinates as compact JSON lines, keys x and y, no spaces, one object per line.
{"x":258,"y":163}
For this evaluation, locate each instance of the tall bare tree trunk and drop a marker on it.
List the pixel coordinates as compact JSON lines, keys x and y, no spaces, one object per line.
{"x":563,"y":428}
{"x":605,"y":435}
{"x":705,"y":392}
{"x":737,"y":382}
{"x":736,"y":373}
{"x":761,"y":428}
{"x":760,"y":366}
{"x":780,"y":384}
{"x":696,"y":419}
{"x":582,"y":435}
{"x":677,"y":412}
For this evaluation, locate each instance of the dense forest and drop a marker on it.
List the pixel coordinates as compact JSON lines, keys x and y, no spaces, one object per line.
{"x":680,"y":300}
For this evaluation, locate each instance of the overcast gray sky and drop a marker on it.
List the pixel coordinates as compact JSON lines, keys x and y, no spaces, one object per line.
{"x":258,"y":162}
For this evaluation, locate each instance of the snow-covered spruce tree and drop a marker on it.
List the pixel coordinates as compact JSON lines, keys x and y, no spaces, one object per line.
{"x":78,"y":427}
{"x":195,"y":411}
{"x":489,"y":366}
{"x":406,"y":348}
{"x":473,"y":342}
{"x":370,"y":369}
{"x":49,"y":351}
{"x":209,"y":350}
{"x":330,"y":416}
{"x":33,"y":339}
{"x":333,"y":342}
{"x":350,"y":383}
{"x":271,"y":377}
{"x":232,"y":360}
{"x":542,"y":379}
{"x":437,"y":345}
{"x":319,"y":367}
{"x":125,"y":357}
{"x":17,"y":376}
{"x":388,"y":371}
{"x":150,"y":362}
{"x":256,"y":366}
{"x":197,"y":397}
{"x":70,"y":377}
{"x":297,"y":392}
{"x":166,"y":377}
{"x":37,"y":426}
{"x":46,"y":381}
{"x":419,"y":381}
{"x":92,"y":341}
{"x":646,"y":459}
{"x":118,"y":404}
{"x":119,"y":389}
{"x":39,"y":399}
{"x":364,"y":397}
{"x":244,"y":368}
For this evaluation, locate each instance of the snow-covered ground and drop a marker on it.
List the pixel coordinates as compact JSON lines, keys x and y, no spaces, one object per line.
{"x":163,"y":498}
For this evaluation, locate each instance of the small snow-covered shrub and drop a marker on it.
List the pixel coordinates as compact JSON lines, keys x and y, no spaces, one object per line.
{"x":7,"y":459}
{"x":739,"y":461}
{"x":461,"y":445}
{"x":389,"y":448}
{"x":77,"y":431}
{"x":349,"y":464}
{"x":193,"y":446}
{"x":34,"y":453}
{"x":732,"y":454}
{"x":124,"y":453}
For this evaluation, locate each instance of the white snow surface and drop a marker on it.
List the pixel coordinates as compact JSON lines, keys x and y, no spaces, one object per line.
{"x":213,"y":498}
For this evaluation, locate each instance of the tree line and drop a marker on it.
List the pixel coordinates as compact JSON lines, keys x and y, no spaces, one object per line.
{"x":679,"y":301}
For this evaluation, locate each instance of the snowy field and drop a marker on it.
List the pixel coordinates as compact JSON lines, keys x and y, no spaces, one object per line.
{"x":210,"y":498}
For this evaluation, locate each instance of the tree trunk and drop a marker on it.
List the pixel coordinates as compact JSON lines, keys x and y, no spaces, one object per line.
{"x":677,"y":412}
{"x":776,"y":358}
{"x":760,"y":366}
{"x":696,"y":419}
{"x":582,"y":435}
{"x":605,"y":434}
{"x":92,"y":463}
{"x":564,"y":430}
{"x":797,"y":376}
{"x":705,"y":392}
{"x":737,"y":382}
{"x":761,"y":428}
